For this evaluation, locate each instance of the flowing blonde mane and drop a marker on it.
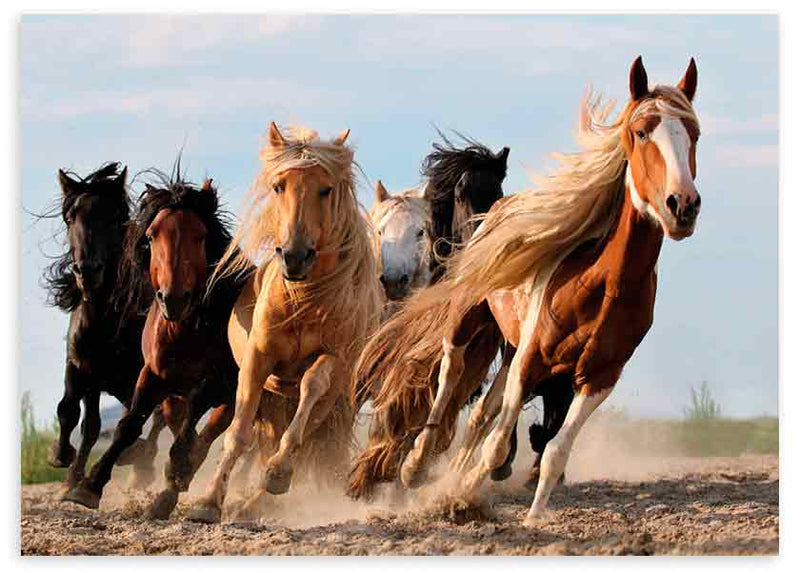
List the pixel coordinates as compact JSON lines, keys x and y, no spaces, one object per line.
{"x":530,"y":233}
{"x":349,"y":297}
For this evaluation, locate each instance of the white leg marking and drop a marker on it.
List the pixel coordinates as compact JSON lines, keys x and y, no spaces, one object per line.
{"x":557,"y":451}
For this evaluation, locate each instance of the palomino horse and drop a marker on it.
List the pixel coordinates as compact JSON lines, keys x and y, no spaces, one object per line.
{"x":103,"y":338}
{"x":567,"y":272}
{"x":303,"y":318}
{"x":401,"y":221}
{"x":172,"y":246}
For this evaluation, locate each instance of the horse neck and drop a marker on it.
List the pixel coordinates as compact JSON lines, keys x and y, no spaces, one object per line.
{"x":632,"y":249}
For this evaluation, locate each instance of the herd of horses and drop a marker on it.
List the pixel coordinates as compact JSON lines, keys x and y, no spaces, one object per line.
{"x":286,"y":326}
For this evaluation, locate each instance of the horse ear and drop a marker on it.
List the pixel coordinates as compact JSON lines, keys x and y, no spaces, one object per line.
{"x":275,"y":137}
{"x":638,"y":80}
{"x":342,"y":137}
{"x":503,"y":155}
{"x":381,"y":194}
{"x":207,"y":184}
{"x":688,"y":84}
{"x":65,"y":182}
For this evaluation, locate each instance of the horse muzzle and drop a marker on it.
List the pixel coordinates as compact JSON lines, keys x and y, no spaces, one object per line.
{"x":297,"y":262}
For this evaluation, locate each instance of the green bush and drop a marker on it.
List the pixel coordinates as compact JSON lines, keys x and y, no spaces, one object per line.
{"x":34,"y":446}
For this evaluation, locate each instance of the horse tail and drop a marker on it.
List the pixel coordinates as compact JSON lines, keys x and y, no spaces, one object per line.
{"x":399,"y":369}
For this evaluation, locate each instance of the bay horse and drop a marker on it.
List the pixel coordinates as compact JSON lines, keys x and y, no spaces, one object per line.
{"x":401,"y":221}
{"x":102,"y":340}
{"x":172,"y":246}
{"x":566,"y":271}
{"x":302,"y":319}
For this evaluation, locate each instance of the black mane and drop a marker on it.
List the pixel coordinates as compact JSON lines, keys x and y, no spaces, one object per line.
{"x":446,"y":163}
{"x":170,"y":193}
{"x":59,"y":281}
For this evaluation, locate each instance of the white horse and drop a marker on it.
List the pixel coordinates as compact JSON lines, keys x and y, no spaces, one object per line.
{"x":402,"y":224}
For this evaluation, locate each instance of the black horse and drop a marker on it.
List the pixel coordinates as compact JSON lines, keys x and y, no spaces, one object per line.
{"x":103,"y":341}
{"x":173,"y":245}
{"x":463,"y":183}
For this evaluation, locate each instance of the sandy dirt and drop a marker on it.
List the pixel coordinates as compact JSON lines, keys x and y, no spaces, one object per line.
{"x":643,"y":506}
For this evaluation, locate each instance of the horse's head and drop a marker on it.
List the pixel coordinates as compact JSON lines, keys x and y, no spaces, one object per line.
{"x":305,"y":200}
{"x":95,"y":210}
{"x":462,"y":183}
{"x":660,"y":140}
{"x":401,"y":222}
{"x":178,"y":238}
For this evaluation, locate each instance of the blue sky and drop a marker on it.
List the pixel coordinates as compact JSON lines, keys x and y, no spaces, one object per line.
{"x":138,"y":88}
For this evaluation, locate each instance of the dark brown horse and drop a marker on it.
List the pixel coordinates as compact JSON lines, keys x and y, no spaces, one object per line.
{"x":103,"y":338}
{"x":177,"y":237}
{"x":567,"y":272}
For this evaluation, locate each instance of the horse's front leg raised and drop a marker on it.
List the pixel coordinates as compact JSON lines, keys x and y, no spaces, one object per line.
{"x":149,"y":392}
{"x":257,"y":364}
{"x":314,"y":406}
{"x":62,"y":453}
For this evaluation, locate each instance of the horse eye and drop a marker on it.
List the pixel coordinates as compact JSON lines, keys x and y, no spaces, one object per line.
{"x":420,"y":234}
{"x":278,"y":189}
{"x":641,"y":135}
{"x":325,"y":192}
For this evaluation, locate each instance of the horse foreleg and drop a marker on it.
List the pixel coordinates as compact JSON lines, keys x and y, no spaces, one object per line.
{"x":62,"y":453}
{"x":257,"y":365}
{"x":412,"y":472}
{"x":90,"y":430}
{"x":315,"y":399}
{"x":556,"y":399}
{"x":147,"y":395}
{"x":557,"y":451}
{"x":483,"y":415}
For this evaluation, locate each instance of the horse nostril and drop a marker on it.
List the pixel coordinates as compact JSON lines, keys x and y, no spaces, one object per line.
{"x":697,"y":203}
{"x":160,"y":295}
{"x":383,"y":280}
{"x":404,"y":280}
{"x":311,"y":254}
{"x":279,"y":251}
{"x":672,"y":204}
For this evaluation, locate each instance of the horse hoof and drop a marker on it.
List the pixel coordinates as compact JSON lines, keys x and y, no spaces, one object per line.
{"x":412,"y":475}
{"x":142,"y":477}
{"x":82,"y":495}
{"x":205,"y":513}
{"x":59,"y":459}
{"x":163,"y":504}
{"x":252,"y":508}
{"x":501,"y":473}
{"x":277,"y":481}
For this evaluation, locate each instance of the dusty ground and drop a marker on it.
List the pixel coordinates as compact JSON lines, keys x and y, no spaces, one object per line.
{"x":652,"y":506}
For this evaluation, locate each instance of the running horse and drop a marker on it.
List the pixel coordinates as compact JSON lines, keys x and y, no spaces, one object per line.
{"x":172,"y":246}
{"x":103,"y":337}
{"x":401,"y":222}
{"x":302,"y":319}
{"x":567,"y":273}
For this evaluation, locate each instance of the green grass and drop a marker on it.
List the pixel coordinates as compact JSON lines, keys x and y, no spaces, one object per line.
{"x":33,"y":449}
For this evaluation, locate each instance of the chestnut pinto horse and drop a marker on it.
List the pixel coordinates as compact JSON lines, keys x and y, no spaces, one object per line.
{"x":302,"y":319}
{"x":103,"y":338}
{"x":567,"y":272}
{"x":177,"y":237}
